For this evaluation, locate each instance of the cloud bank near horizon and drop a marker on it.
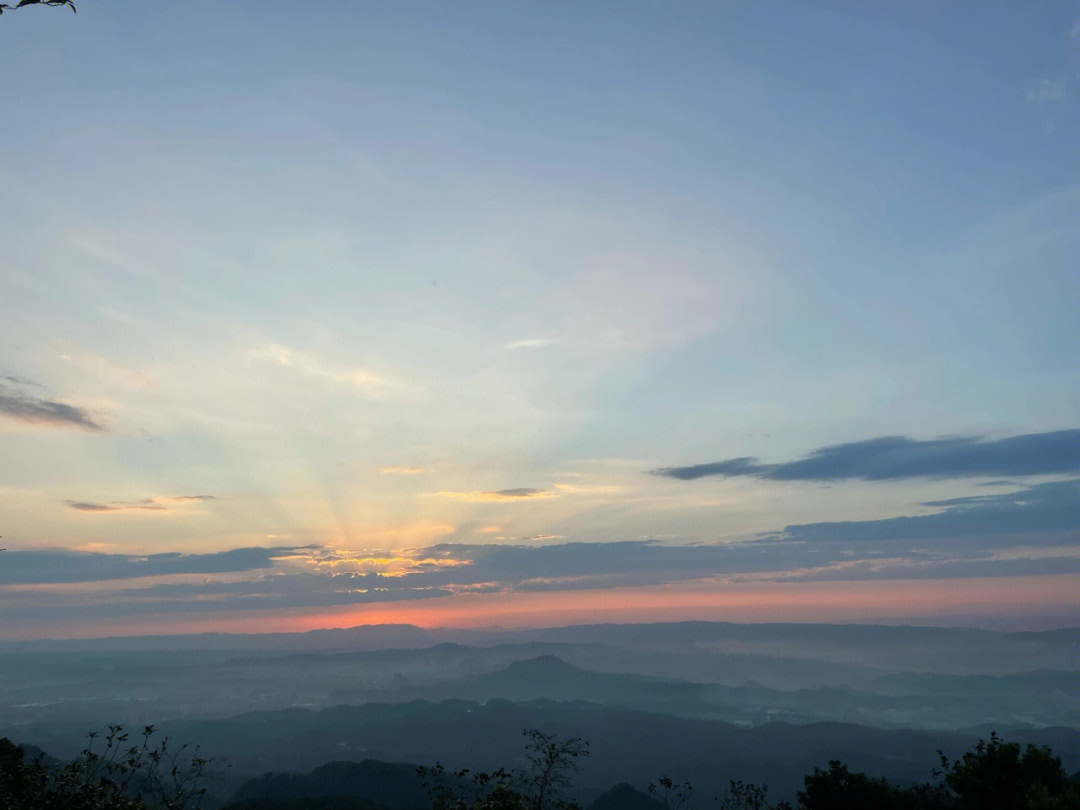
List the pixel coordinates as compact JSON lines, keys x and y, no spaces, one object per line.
{"x":66,"y":566}
{"x":896,"y":457}
{"x":1032,"y":531}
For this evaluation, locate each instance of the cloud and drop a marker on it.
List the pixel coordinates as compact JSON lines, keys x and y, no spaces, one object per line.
{"x":1047,"y":91}
{"x":272,"y":591}
{"x":1033,"y":531}
{"x":589,"y":489}
{"x":145,"y":503}
{"x":893,"y":457}
{"x":937,"y":567}
{"x":619,"y":563}
{"x":1021,"y":517}
{"x":66,"y":566}
{"x":520,"y":494}
{"x":531,"y":343}
{"x":87,"y":506}
{"x":745,"y":465}
{"x":403,"y":470}
{"x":360,"y":378}
{"x":971,"y":528}
{"x":276,"y":591}
{"x":1049,"y":94}
{"x":26,"y":407}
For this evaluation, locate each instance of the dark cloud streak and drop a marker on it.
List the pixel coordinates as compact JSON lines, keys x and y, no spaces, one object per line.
{"x":116,"y":506}
{"x":1047,"y":510}
{"x":25,"y":407}
{"x":895,"y":457}
{"x":145,"y":503}
{"x":56,"y":566}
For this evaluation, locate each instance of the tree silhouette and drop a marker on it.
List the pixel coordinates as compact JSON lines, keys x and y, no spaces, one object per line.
{"x":146,"y":775}
{"x":996,"y":775}
{"x":552,"y":762}
{"x":23,"y":3}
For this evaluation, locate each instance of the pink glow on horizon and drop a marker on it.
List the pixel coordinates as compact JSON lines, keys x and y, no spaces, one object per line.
{"x":1035,"y":602}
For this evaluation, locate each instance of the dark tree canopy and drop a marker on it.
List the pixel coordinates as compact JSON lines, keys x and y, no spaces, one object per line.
{"x":23,"y":3}
{"x":120,"y":773}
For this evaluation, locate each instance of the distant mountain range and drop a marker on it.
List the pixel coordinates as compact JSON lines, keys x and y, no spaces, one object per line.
{"x":822,"y":641}
{"x":698,"y":700}
{"x":747,"y":674}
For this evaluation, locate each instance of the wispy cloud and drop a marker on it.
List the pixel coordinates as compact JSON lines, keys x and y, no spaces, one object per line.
{"x":1047,"y":91}
{"x":151,"y":504}
{"x":589,"y":489}
{"x":403,"y":470}
{"x":530,"y":343}
{"x":24,"y":406}
{"x":1049,"y":95}
{"x":480,"y":496}
{"x":360,"y":378}
{"x":116,"y":506}
{"x":894,"y":457}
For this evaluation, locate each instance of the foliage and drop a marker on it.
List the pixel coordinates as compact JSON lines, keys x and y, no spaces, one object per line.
{"x":838,"y":788}
{"x":996,"y":775}
{"x":674,"y":796}
{"x":147,"y":775}
{"x":23,"y":3}
{"x":552,"y":762}
{"x":747,"y":796}
{"x":739,"y":796}
{"x":467,"y":790}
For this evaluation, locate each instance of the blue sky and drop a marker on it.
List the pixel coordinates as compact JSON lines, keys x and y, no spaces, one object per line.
{"x":378,"y":278}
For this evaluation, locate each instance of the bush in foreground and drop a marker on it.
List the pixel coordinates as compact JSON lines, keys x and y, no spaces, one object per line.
{"x":109,"y":775}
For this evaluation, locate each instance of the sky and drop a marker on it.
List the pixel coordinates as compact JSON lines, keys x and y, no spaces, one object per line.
{"x":321,"y":314}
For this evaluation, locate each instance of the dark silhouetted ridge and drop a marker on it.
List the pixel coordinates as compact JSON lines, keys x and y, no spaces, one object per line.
{"x":390,"y":785}
{"x":625,"y":797}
